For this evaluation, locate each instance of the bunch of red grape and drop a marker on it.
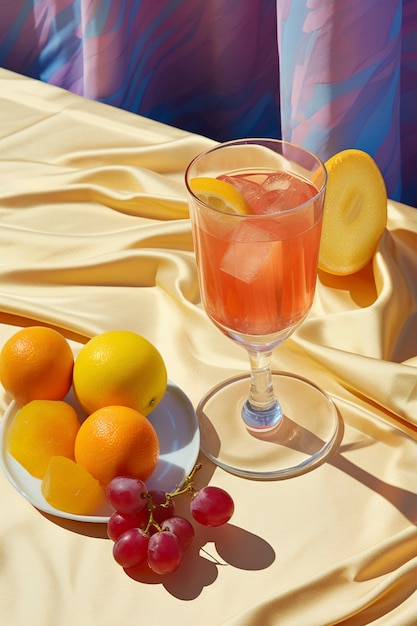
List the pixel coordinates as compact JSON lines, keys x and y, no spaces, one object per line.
{"x":144,"y":526}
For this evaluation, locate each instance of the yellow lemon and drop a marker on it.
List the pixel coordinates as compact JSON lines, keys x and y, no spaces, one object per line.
{"x":219,"y":195}
{"x":355,"y":212}
{"x":119,"y":367}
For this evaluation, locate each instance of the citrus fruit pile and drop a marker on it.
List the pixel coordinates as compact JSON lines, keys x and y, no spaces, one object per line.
{"x":117,"y":379}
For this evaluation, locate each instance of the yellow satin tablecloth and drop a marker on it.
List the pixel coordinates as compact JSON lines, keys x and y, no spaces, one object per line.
{"x":94,"y":235}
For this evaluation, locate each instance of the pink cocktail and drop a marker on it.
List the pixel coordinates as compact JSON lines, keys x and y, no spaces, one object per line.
{"x":258,"y":271}
{"x":256,"y":209}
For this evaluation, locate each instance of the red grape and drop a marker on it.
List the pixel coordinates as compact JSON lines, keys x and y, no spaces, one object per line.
{"x":127,"y":494}
{"x":164,"y":552}
{"x":181,"y":528}
{"x":212,"y":506}
{"x":131,"y":548}
{"x":120,"y":522}
{"x":145,"y":529}
{"x":160,"y":513}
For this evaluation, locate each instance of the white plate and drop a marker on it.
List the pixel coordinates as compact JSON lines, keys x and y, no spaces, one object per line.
{"x":175,"y":422}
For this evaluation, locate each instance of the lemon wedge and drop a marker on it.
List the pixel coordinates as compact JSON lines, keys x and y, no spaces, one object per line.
{"x":355,"y":212}
{"x":219,"y":195}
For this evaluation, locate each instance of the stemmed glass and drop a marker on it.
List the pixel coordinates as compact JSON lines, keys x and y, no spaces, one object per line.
{"x":257,"y":267}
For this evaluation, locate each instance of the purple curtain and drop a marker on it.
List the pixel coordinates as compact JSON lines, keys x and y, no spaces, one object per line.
{"x":328,"y":74}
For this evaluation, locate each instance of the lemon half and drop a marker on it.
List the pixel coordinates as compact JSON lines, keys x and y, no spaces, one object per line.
{"x":219,"y":195}
{"x":355,"y":212}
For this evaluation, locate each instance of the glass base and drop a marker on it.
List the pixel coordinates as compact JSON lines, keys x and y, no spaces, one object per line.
{"x":309,"y":431}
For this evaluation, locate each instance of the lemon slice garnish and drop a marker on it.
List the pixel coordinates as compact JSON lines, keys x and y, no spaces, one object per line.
{"x":355,"y":212}
{"x":219,"y":195}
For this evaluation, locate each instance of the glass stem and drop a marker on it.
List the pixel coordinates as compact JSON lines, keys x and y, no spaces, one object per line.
{"x":262,"y":411}
{"x":261,"y":395}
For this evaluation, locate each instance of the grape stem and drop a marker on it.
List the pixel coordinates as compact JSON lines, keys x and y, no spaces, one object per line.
{"x":186,"y":487}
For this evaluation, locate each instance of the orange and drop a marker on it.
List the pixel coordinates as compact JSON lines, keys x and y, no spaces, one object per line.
{"x":355,"y":212}
{"x":119,"y":367}
{"x":41,"y":429}
{"x":69,"y":487}
{"x":219,"y":194}
{"x":115,"y":441}
{"x":36,"y":364}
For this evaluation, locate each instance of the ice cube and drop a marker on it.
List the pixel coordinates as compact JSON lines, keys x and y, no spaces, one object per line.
{"x":278,"y":180}
{"x":249,"y":189}
{"x":274,"y":201}
{"x":248,"y":251}
{"x":284,"y":191}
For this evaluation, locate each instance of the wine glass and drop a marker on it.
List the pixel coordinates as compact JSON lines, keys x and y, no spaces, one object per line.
{"x":256,"y":209}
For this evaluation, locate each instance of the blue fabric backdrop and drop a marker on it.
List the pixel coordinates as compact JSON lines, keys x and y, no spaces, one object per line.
{"x":328,"y":74}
